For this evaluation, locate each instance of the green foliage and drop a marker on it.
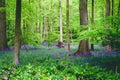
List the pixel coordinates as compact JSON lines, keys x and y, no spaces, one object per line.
{"x":33,"y":23}
{"x":36,"y":65}
{"x":96,"y":32}
{"x":10,"y":21}
{"x":52,"y":37}
{"x":114,"y":31}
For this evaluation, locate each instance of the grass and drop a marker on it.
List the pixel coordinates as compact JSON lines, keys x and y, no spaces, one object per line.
{"x":55,"y":64}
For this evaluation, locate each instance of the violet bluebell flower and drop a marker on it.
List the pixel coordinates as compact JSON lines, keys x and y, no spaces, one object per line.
{"x":54,"y":56}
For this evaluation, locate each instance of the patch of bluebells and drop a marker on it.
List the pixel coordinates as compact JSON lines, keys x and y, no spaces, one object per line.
{"x":61,"y":56}
{"x":96,"y":52}
{"x":54,"y":56}
{"x":103,"y":52}
{"x":6,"y":49}
{"x":11,"y":48}
{"x":109,"y":52}
{"x":70,"y":56}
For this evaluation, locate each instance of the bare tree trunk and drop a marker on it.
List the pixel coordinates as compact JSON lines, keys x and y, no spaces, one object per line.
{"x":17,"y":33}
{"x":25,"y":28}
{"x":107,"y":8}
{"x":3,"y":38}
{"x":83,"y":48}
{"x":112,"y":7}
{"x":45,"y":29}
{"x":119,"y":8}
{"x":67,"y":26}
{"x":61,"y":40}
{"x":38,"y":27}
{"x":112,"y":12}
{"x":92,"y":45}
{"x":108,"y":47}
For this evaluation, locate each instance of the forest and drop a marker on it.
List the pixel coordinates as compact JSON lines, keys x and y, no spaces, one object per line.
{"x":59,"y":39}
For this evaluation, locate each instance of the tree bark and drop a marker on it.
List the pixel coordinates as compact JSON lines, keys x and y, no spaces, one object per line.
{"x":112,"y":13}
{"x":108,"y":47}
{"x":92,"y":45}
{"x":119,"y":8}
{"x":61,"y":40}
{"x":107,"y":8}
{"x":45,"y":28}
{"x":3,"y":38}
{"x":67,"y":26}
{"x":17,"y":33}
{"x":83,"y":48}
{"x":112,"y":7}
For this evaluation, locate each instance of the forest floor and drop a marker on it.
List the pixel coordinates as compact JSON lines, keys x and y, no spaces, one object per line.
{"x":58,"y":58}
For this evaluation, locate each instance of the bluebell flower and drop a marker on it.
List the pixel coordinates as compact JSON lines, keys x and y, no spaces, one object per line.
{"x":54,"y":56}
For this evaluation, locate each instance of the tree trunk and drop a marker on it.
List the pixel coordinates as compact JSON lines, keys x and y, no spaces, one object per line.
{"x":112,"y":7}
{"x":45,"y":28}
{"x":83,"y":48}
{"x":107,"y":8}
{"x":17,"y":33}
{"x":3,"y":38}
{"x":25,"y":29}
{"x":61,"y":40}
{"x":112,"y":12}
{"x":92,"y":45}
{"x":67,"y":26}
{"x":108,"y":47}
{"x":119,"y":8}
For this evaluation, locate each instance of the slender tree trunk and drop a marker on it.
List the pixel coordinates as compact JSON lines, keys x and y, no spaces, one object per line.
{"x":51,"y":7}
{"x":61,"y":40}
{"x":107,"y":8}
{"x":83,"y":48}
{"x":25,"y":29}
{"x":17,"y":33}
{"x":45,"y":29}
{"x":119,"y":8}
{"x":40,"y":22}
{"x":112,"y":12}
{"x":67,"y":26}
{"x":39,"y":26}
{"x":108,"y":47}
{"x":92,"y":45}
{"x":112,"y":7}
{"x":3,"y":38}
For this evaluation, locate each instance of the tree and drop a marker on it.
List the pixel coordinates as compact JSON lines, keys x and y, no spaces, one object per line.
{"x":83,"y":47}
{"x":112,"y":7}
{"x":67,"y":26}
{"x":3,"y":38}
{"x":92,"y":21}
{"x":107,"y":47}
{"x":119,"y":8}
{"x":45,"y":28}
{"x":17,"y":33}
{"x":60,"y":42}
{"x":107,"y":8}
